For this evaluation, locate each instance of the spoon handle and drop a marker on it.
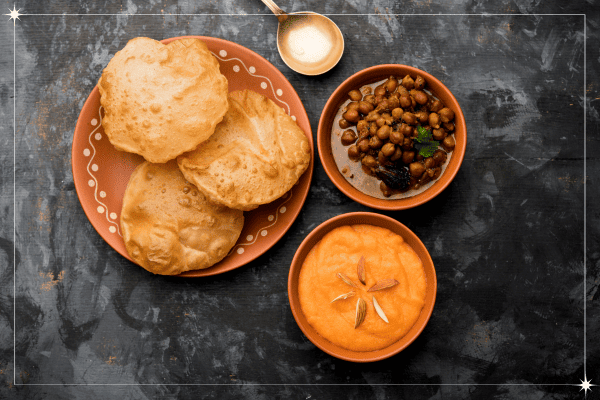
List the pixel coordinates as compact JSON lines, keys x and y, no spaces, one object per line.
{"x":279,"y":13}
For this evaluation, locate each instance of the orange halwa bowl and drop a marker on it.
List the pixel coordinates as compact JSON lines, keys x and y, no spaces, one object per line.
{"x":359,"y":218}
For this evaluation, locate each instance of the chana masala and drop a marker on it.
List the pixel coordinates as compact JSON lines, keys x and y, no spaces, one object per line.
{"x":393,"y":138}
{"x":362,"y":287}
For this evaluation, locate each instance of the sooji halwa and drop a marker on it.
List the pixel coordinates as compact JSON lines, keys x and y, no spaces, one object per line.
{"x":401,"y":134}
{"x":362,"y":287}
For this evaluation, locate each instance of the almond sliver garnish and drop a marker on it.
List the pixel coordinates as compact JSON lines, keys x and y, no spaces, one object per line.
{"x":379,"y":310}
{"x":343,"y":296}
{"x":383,"y":284}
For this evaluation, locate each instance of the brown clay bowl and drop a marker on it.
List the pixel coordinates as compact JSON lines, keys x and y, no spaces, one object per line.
{"x":375,"y":74}
{"x":353,"y":219}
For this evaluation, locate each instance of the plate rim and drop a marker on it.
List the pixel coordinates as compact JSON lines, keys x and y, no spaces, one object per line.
{"x":210,"y":271}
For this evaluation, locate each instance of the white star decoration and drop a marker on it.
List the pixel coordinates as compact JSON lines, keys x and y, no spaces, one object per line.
{"x":586,"y":385}
{"x":14,"y":14}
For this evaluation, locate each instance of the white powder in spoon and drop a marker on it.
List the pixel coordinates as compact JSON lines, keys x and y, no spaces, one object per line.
{"x":309,"y":44}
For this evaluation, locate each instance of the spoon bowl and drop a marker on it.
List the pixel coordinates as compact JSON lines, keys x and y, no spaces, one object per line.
{"x":309,"y":43}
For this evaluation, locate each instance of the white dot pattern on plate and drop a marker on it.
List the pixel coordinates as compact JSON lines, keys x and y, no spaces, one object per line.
{"x":112,"y":229}
{"x":294,"y":117}
{"x":86,"y":152}
{"x":94,"y":167}
{"x":240,"y":250}
{"x":98,"y":136}
{"x":100,"y":209}
{"x":113,"y":215}
{"x":252,"y":70}
{"x":264,"y":232}
{"x":263,"y":85}
{"x":94,"y":122}
{"x":249,"y":238}
{"x":103,"y":194}
{"x":91,"y":183}
{"x":279,"y":92}
{"x":223,"y":53}
{"x":271,"y":217}
{"x":282,"y":210}
{"x":236,"y":68}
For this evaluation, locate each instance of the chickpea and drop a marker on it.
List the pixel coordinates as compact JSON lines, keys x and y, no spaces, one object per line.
{"x":348,"y":137}
{"x":370,"y":99}
{"x":446,"y":114}
{"x":369,"y":161}
{"x":353,"y":105}
{"x":378,"y":99}
{"x":405,"y":101}
{"x":391,"y":84}
{"x":362,"y":125}
{"x":381,"y":158}
{"x":401,"y":90}
{"x":366,"y":90}
{"x":372,"y":116}
{"x":434,"y":120}
{"x":344,"y":124}
{"x":388,"y":149}
{"x":375,"y":142}
{"x":385,"y":190}
{"x":388,"y":118}
{"x":397,"y":113}
{"x":448,"y":143}
{"x":355,"y":95}
{"x":407,"y":130}
{"x":373,"y":129}
{"x":408,"y":82}
{"x":419,"y":82}
{"x":409,"y":118}
{"x":379,"y":91}
{"x":408,"y":156}
{"x":429,"y":162}
{"x":396,"y":137}
{"x":384,"y":105}
{"x":439,"y":156}
{"x":419,"y":96}
{"x":397,"y":154}
{"x":439,"y":134}
{"x":351,"y":116}
{"x":407,"y":144}
{"x":416,"y":169}
{"x":449,"y":126}
{"x":384,"y":132}
{"x":353,"y":152}
{"x":436,"y":106}
{"x":380,"y":122}
{"x":419,"y":157}
{"x":422,"y":116}
{"x":363,"y":145}
{"x":393,"y":102}
{"x":364,"y":107}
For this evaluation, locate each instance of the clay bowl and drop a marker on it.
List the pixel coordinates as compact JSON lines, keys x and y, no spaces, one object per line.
{"x":352,"y":219}
{"x":369,"y":76}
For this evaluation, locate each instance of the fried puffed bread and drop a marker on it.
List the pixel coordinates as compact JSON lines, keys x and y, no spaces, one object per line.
{"x":169,"y":227}
{"x":256,"y":154}
{"x":162,"y":100}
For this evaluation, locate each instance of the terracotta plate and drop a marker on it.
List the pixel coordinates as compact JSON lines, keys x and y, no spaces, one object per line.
{"x":101,"y":172}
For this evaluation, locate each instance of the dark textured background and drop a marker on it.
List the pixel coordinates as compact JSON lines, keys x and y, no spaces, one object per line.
{"x":506,"y":237}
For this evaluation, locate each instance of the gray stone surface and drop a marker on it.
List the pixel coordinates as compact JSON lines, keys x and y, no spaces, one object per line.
{"x":507,"y":236}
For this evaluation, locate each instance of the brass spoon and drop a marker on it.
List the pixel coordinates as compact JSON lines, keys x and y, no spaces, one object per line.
{"x":309,"y":43}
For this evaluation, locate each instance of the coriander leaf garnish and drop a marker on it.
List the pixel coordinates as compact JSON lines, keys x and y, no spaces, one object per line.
{"x":424,"y":142}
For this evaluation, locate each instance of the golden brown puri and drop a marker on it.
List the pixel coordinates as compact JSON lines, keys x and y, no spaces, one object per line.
{"x":169,"y":227}
{"x":256,"y":154}
{"x":162,"y":100}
